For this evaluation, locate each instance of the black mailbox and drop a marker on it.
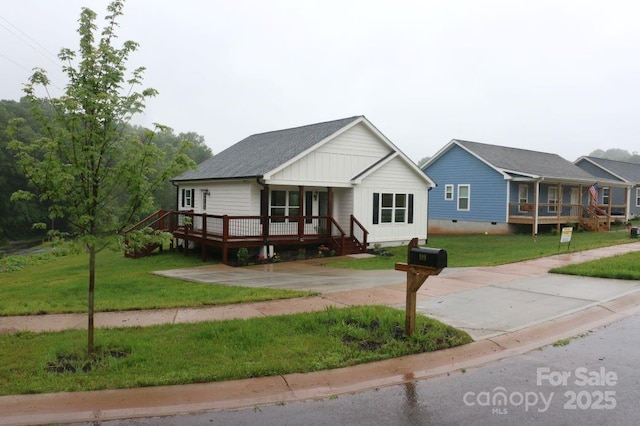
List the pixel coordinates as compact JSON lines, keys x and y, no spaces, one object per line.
{"x":430,"y":257}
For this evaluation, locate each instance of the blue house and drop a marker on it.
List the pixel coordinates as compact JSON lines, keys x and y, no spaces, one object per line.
{"x":488,"y":188}
{"x":612,"y":199}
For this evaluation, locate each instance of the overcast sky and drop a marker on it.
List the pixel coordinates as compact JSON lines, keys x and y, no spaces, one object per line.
{"x":554,"y":76}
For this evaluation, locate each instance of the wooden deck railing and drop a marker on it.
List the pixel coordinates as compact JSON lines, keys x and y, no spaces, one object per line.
{"x":590,"y":217}
{"x":234,"y":230}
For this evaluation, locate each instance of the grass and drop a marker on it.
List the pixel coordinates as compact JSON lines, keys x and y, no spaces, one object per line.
{"x":622,"y":267}
{"x":60,"y":285}
{"x":215,"y":351}
{"x":490,"y":250}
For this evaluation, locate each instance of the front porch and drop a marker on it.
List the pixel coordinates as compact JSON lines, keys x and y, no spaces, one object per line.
{"x":225,"y":232}
{"x":592,"y":217}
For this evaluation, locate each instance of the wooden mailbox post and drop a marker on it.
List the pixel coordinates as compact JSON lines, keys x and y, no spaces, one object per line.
{"x":421,"y":263}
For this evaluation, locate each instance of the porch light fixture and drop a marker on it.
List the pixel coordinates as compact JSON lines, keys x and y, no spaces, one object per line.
{"x":315,"y":195}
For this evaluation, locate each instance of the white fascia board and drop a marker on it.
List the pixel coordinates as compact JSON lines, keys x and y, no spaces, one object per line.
{"x":371,"y":169}
{"x":313,"y":148}
{"x":398,"y":151}
{"x":529,"y":175}
{"x":314,"y":183}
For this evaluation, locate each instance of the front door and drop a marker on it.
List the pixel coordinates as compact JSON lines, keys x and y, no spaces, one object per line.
{"x":575,"y":201}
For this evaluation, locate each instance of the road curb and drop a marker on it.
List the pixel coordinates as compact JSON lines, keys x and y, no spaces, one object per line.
{"x":69,"y":407}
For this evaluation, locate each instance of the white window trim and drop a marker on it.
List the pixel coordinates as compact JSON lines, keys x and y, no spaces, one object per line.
{"x":606,"y":194}
{"x":287,"y":207}
{"x":468,"y":186}
{"x":188,"y":197}
{"x":448,"y":192}
{"x":393,"y":208}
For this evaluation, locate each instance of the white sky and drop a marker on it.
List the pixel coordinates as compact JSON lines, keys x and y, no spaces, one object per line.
{"x":554,"y":76}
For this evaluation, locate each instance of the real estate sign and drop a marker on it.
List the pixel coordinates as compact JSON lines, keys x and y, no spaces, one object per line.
{"x":565,"y":237}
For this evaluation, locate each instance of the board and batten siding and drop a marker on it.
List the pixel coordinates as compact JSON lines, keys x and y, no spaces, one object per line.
{"x":487,"y":187}
{"x":396,"y":178}
{"x":343,"y":207}
{"x":338,"y":160}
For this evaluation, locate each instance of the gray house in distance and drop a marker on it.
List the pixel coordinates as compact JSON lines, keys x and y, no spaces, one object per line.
{"x":613,"y":198}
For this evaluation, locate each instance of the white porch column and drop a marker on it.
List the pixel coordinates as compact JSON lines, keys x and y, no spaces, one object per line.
{"x":536,"y":202}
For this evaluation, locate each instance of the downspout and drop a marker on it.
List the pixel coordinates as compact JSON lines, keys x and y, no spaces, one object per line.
{"x":265,"y":226}
{"x":177,"y":193}
{"x":428,"y":191}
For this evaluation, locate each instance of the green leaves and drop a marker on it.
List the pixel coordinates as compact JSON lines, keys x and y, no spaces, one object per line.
{"x":90,"y":167}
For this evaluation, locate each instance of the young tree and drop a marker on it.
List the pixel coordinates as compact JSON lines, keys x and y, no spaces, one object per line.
{"x":89,"y":168}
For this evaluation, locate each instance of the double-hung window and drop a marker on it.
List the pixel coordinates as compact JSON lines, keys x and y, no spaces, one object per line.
{"x":392,"y":208}
{"x":187,"y":197}
{"x":464,"y":197}
{"x":448,"y":192}
{"x":285,"y":203}
{"x":605,"y":195}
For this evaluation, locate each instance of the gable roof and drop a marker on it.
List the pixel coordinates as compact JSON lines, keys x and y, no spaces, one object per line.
{"x":625,"y":171}
{"x":512,"y":162}
{"x":263,"y":152}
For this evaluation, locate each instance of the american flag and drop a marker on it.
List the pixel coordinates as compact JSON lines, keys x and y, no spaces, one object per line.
{"x":593,"y":190}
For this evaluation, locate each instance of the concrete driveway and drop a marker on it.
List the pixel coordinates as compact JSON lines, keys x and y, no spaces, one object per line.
{"x":484,"y":301}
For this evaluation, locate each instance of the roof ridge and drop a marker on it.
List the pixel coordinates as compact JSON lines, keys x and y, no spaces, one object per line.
{"x":609,"y":159}
{"x":308,"y":125}
{"x":510,"y":147}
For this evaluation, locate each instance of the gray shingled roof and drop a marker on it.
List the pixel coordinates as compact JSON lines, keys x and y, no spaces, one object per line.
{"x":263,"y":152}
{"x":627,"y":171}
{"x":526,"y":162}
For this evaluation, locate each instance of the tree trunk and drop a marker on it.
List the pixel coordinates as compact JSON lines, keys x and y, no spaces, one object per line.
{"x":92,"y":283}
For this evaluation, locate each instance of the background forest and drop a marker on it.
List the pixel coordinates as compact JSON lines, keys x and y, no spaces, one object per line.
{"x":17,"y":217}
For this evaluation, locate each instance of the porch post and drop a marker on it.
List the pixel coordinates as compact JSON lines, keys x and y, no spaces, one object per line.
{"x":301,"y":213}
{"x":264,"y":213}
{"x":559,"y":212}
{"x":225,"y":239}
{"x":627,"y":201}
{"x":536,"y":196}
{"x":329,"y":209}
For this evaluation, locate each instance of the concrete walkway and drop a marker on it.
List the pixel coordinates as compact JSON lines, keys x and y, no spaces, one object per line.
{"x":508,"y":309}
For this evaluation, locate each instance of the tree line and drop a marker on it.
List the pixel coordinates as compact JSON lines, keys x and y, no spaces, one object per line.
{"x":18,"y":216}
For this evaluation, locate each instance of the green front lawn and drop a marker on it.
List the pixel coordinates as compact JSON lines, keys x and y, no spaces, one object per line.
{"x":215,"y":351}
{"x":489,"y":250}
{"x":60,"y":285}
{"x":623,"y":267}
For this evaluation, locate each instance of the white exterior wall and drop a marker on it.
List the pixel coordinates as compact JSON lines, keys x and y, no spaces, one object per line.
{"x":343,"y":207}
{"x":394,"y":177}
{"x":241,"y":198}
{"x":337,"y":161}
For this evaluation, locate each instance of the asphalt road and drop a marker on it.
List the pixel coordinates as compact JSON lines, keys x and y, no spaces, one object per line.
{"x":592,"y":380}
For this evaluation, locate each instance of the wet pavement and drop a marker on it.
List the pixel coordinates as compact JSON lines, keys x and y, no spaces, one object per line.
{"x":509,"y":309}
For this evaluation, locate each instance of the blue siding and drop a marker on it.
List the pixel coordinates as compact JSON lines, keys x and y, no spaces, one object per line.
{"x":488,"y":188}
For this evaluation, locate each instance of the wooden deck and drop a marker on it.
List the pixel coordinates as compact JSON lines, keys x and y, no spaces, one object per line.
{"x":229,"y":232}
{"x":592,"y":218}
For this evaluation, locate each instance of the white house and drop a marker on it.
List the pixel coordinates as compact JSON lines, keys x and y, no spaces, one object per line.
{"x":341,"y":183}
